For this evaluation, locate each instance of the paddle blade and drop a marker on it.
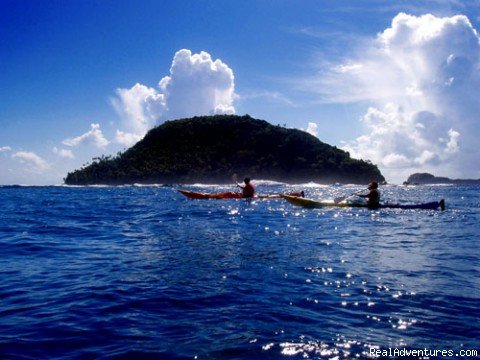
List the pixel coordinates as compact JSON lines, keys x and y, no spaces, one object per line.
{"x":340,"y":199}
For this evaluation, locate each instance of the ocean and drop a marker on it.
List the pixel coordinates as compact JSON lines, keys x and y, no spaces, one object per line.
{"x":141,"y":272}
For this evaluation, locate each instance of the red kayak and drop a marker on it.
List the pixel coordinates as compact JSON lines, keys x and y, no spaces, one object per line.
{"x":230,"y":195}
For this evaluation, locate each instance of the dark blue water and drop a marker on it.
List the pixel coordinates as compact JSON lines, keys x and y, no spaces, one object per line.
{"x":144,"y":273}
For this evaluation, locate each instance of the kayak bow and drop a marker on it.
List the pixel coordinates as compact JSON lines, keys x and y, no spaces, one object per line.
{"x":199,"y":195}
{"x":309,"y":203}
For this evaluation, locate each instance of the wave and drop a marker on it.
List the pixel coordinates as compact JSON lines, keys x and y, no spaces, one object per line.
{"x":268,"y":182}
{"x":259,"y":182}
{"x":147,"y":185}
{"x":23,"y":186}
{"x":202,"y":185}
{"x":311,"y":184}
{"x":115,"y":186}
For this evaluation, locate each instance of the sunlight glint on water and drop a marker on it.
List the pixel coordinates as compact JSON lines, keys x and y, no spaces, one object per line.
{"x":144,"y":272}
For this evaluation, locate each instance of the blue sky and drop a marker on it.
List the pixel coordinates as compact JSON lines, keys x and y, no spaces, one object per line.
{"x":392,"y":82}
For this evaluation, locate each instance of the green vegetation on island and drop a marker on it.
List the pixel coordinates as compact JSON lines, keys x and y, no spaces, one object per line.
{"x":211,"y":148}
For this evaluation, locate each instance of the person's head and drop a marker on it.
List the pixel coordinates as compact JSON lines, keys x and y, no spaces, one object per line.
{"x":373,"y":185}
{"x":246,"y":180}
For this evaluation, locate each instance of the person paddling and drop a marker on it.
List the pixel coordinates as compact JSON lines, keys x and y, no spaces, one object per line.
{"x":248,"y":190}
{"x":373,"y":196}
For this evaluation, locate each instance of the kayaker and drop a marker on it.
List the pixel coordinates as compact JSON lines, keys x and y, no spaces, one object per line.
{"x":373,"y":196}
{"x":248,"y":190}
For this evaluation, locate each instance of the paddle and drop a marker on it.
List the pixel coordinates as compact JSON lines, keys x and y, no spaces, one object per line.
{"x":273,"y":196}
{"x":235,"y":179}
{"x":341,"y":198}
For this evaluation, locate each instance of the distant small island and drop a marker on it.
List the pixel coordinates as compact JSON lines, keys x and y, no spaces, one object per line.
{"x":426,"y":178}
{"x":210,"y":149}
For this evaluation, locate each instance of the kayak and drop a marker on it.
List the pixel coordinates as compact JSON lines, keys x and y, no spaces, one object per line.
{"x":231,"y":195}
{"x":309,"y":203}
{"x":199,"y":195}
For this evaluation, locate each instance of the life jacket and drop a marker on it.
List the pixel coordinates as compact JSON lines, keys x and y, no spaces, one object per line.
{"x":374,"y":198}
{"x":248,"y":191}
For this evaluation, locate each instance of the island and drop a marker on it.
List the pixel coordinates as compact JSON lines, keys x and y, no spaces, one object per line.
{"x":210,"y":149}
{"x":427,"y":179}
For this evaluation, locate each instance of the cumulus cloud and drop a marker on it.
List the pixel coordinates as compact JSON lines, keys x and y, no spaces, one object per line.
{"x":63,"y":153}
{"x":35,"y":162}
{"x":139,"y":107}
{"x":5,"y":149}
{"x":312,"y":129}
{"x":421,"y":77}
{"x":196,"y":85}
{"x":94,"y":136}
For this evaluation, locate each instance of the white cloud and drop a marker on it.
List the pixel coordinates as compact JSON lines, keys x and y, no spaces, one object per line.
{"x":127,"y":139}
{"x":5,"y":149}
{"x":452,"y":144}
{"x":94,"y":136}
{"x":421,"y":77}
{"x":196,"y":85}
{"x":265,"y":95}
{"x":140,"y":107}
{"x":63,"y":153}
{"x":36,"y":163}
{"x":312,"y":129}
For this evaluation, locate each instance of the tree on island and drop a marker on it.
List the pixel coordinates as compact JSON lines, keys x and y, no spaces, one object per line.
{"x":426,"y":178}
